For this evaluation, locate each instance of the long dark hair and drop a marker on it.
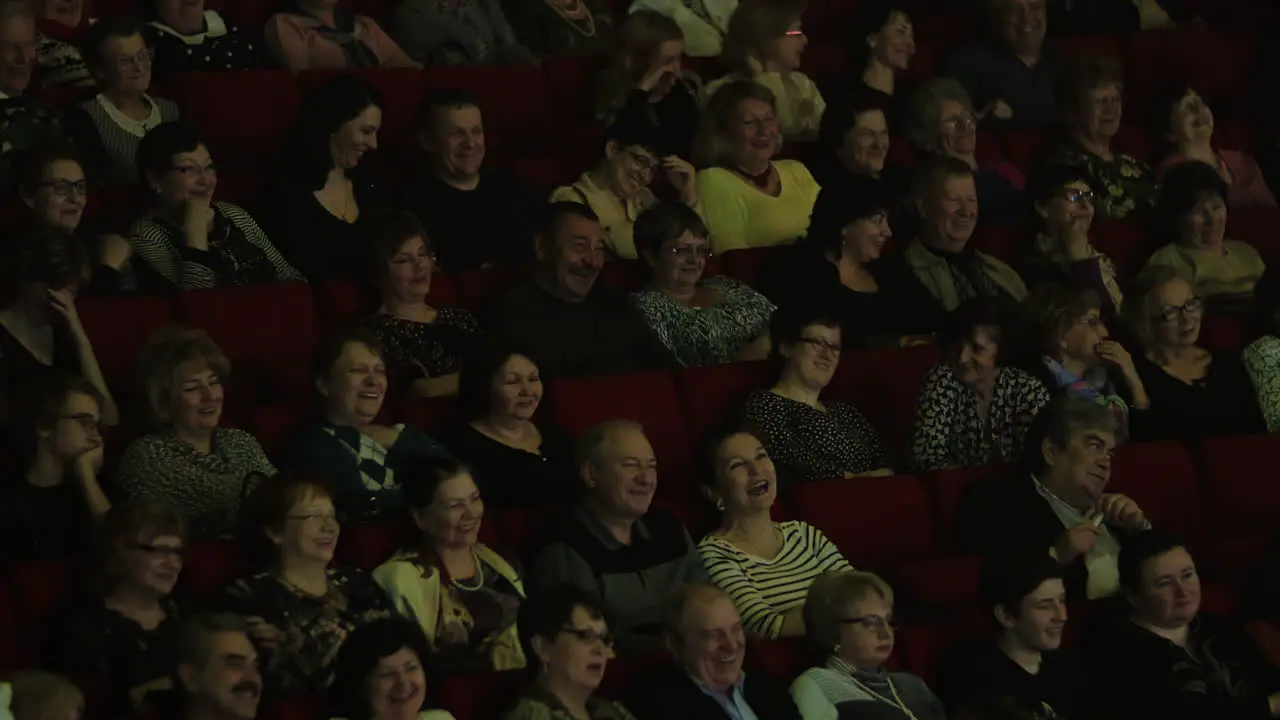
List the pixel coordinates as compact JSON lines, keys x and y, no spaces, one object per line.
{"x":324,"y":110}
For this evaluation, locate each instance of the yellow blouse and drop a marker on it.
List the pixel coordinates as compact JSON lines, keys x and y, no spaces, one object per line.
{"x":1232,"y":271}
{"x":739,"y":215}
{"x":618,"y":218}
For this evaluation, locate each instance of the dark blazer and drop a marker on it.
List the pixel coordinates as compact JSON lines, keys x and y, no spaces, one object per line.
{"x":669,"y":694}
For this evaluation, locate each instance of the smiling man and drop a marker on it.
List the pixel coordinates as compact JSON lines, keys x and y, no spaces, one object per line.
{"x":1063,"y":507}
{"x":218,"y":669}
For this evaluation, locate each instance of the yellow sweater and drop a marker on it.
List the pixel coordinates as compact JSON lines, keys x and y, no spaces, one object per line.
{"x":740,"y":216}
{"x":1234,"y":271}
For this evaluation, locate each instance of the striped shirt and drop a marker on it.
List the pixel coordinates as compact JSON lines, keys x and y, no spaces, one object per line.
{"x":120,"y":134}
{"x":765,"y":590}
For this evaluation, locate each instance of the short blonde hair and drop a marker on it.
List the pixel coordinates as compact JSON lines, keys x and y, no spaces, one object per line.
{"x":711,"y":145}
{"x":754,"y":25}
{"x":1138,"y":307}
{"x":165,"y":352}
{"x":123,"y":526}
{"x":828,"y":600}
{"x":39,"y":695}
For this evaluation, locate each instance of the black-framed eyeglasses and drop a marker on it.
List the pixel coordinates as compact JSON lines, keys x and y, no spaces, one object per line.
{"x":645,"y":162}
{"x":820,"y":344}
{"x":1194,"y":306}
{"x":876,"y":623}
{"x":967,"y":121}
{"x":176,"y":551}
{"x":689,"y":252}
{"x":63,"y":188}
{"x":323,"y":517}
{"x":587,"y":635}
{"x":87,"y":422}
{"x":140,"y":59}
{"x":1079,"y":196}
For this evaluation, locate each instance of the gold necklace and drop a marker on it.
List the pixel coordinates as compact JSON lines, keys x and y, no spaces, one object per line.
{"x":590,"y":19}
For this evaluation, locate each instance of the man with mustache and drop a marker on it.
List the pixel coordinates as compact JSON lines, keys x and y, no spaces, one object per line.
{"x":571,"y":323}
{"x":218,"y":669}
{"x":1063,"y":507}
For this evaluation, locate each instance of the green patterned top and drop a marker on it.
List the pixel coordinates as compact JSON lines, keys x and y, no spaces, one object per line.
{"x":1123,"y":183}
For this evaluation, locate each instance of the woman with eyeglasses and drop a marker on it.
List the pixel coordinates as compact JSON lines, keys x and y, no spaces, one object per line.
{"x":703,"y":321}
{"x":300,"y":610}
{"x":124,"y":628}
{"x":463,"y":595}
{"x":564,"y":629}
{"x":1194,"y":392}
{"x":811,"y":438}
{"x":424,"y":346}
{"x":849,"y":620}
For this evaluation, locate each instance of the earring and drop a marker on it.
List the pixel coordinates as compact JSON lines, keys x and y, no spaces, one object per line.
{"x":719,"y":505}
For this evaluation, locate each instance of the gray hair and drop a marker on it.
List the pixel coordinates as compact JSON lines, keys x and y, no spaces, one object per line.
{"x":588,"y":448}
{"x":195,"y":638}
{"x":828,"y":600}
{"x":926,"y":110}
{"x":680,"y":600}
{"x":1062,"y":418}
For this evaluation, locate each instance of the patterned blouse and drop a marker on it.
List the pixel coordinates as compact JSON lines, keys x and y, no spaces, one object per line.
{"x":949,"y":431}
{"x":812,"y":444}
{"x":1262,"y":360}
{"x":313,"y":627}
{"x":707,"y":335}
{"x":416,"y":350}
{"x":1124,"y":184}
{"x":538,"y":703}
{"x":205,"y":488}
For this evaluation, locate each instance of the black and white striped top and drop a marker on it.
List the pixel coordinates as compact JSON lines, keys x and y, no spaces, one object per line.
{"x":764,"y":590}
{"x":239,"y":252}
{"x":120,"y":134}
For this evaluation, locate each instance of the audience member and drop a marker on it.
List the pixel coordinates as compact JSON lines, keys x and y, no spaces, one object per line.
{"x":61,"y":28}
{"x":854,"y":139}
{"x":706,"y":681}
{"x":185,"y":36}
{"x":617,"y":190}
{"x":1183,"y":122}
{"x":300,"y":610}
{"x":1192,"y":216}
{"x":702,"y":321}
{"x":703,"y":25}
{"x":517,"y":460}
{"x":1141,"y":657}
{"x":1063,"y":506}
{"x":218,"y":669}
{"x":572,"y":323}
{"x":424,"y":346}
{"x":763,"y":44}
{"x":749,"y":199}
{"x":808,"y":438}
{"x":1091,"y":98}
{"x":766,"y":567}
{"x":123,"y":629}
{"x":613,"y":543}
{"x":463,"y":595}
{"x":51,"y":510}
{"x":974,"y":409}
{"x":476,"y":216}
{"x":39,"y":694}
{"x":1103,"y":17}
{"x":188,"y":461}
{"x":319,"y":34}
{"x":881,"y":45}
{"x":186,"y":240}
{"x":348,"y":445}
{"x":123,"y":112}
{"x":648,"y":84}
{"x":1262,"y":357}
{"x":1194,"y":392}
{"x":467,"y":32}
{"x":381,"y":674}
{"x":564,"y":627}
{"x":563,"y":27}
{"x":849,"y":621}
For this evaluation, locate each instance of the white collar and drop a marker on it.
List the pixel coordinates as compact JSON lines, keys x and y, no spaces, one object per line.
{"x":214,"y":27}
{"x":128,"y":124}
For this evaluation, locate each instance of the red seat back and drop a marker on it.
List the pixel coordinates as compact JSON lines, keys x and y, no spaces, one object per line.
{"x":874,"y":521}
{"x":1160,"y":477}
{"x":882,"y":384}
{"x":712,"y":394}
{"x":119,"y":326}
{"x":1238,"y":472}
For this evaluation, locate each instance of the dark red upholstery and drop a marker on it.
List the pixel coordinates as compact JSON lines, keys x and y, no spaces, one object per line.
{"x":874,"y":521}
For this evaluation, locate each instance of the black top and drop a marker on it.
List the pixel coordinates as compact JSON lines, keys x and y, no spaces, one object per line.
{"x":898,"y":110}
{"x":990,"y":71}
{"x":672,"y":120}
{"x":1069,"y":18}
{"x":511,"y":477}
{"x":1141,"y":674}
{"x":604,"y":333}
{"x":418,"y":350}
{"x":42,"y":522}
{"x":23,"y":378}
{"x":490,"y":225}
{"x":220,"y":46}
{"x":543,"y":31}
{"x":982,"y":673}
{"x":316,"y":242}
{"x":680,"y":699}
{"x":1223,"y":402}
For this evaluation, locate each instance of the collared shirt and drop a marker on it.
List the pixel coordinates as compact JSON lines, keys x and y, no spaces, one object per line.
{"x":734,"y":702}
{"x":1100,"y":562}
{"x":639,"y":531}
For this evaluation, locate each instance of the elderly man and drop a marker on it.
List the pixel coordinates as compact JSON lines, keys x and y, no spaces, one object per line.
{"x":613,"y":543}
{"x":705,"y":638}
{"x":1063,"y":507}
{"x":218,"y":669}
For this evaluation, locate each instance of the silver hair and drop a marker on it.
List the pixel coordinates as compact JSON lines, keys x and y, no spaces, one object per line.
{"x":926,"y":110}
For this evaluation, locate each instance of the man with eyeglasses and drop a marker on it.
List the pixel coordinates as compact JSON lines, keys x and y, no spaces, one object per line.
{"x":1063,"y":507}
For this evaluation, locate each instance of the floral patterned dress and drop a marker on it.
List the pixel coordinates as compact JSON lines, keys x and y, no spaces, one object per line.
{"x":707,"y":335}
{"x":1123,"y":183}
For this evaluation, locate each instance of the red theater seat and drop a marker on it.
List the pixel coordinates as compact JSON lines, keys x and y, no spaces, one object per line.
{"x":210,"y":567}
{"x":520,"y":529}
{"x":571,"y":87}
{"x":1160,"y":477}
{"x":1257,"y":226}
{"x":216,"y":102}
{"x":940,"y":586}
{"x":513,"y":99}
{"x":367,"y":545}
{"x":342,"y":301}
{"x":874,"y":521}
{"x":714,"y":393}
{"x":477,"y":287}
{"x":40,"y":590}
{"x":1125,"y":242}
{"x":1238,"y":473}
{"x":434,"y":415}
{"x":401,"y":89}
{"x":748,"y":266}
{"x":119,"y":325}
{"x":883,"y":383}
{"x":482,"y":695}
{"x":923,"y":648}
{"x":947,"y":487}
{"x":781,"y":659}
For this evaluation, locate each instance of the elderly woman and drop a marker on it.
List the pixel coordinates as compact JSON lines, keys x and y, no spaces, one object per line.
{"x":565,"y":630}
{"x":618,"y":189}
{"x":1141,"y":659}
{"x":854,"y":137}
{"x":1090,"y":96}
{"x":381,"y":674}
{"x":849,"y":620}
{"x":944,"y":122}
{"x":124,"y":629}
{"x":1194,"y":392}
{"x":1184,"y":121}
{"x":424,"y":345}
{"x":186,"y":36}
{"x":123,"y":112}
{"x":62,"y":25}
{"x":838,"y":267}
{"x":1192,"y":215}
{"x":764,"y":45}
{"x":749,"y":199}
{"x":188,"y":461}
{"x":51,"y":510}
{"x":973,"y":410}
{"x":318,"y":34}
{"x":811,"y":439}
{"x":186,"y":240}
{"x":1063,"y":204}
{"x":467,"y":32}
{"x":1262,"y":357}
{"x":300,"y":610}
{"x":348,"y":445}
{"x":517,"y":460}
{"x":42,"y":695}
{"x":766,"y":567}
{"x":702,"y":321}
{"x":648,"y":83}
{"x":881,"y":45}
{"x":463,"y":595}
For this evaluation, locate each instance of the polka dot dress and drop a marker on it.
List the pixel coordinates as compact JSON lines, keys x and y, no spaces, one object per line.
{"x":815,"y":445}
{"x":219,"y":48}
